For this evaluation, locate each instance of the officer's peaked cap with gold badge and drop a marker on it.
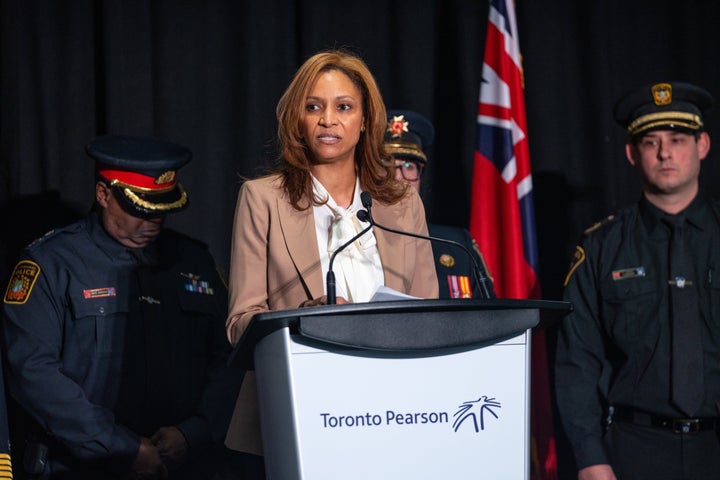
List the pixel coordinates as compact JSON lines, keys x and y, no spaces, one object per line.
{"x":408,"y":133}
{"x":667,"y":105}
{"x":142,"y":172}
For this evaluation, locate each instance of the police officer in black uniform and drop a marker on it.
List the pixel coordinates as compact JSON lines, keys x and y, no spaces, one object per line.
{"x":407,"y":135}
{"x":638,"y":360}
{"x":114,"y":332}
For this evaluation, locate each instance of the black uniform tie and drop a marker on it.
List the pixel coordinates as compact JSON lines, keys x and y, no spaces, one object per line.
{"x":687,"y":353}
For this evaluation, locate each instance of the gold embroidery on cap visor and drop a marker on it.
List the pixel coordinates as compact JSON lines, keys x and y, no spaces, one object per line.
{"x":118,"y":183}
{"x":687,"y":120}
{"x":403,"y":149}
{"x":157,"y":207}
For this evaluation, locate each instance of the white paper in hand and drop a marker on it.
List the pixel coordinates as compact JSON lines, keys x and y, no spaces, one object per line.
{"x":384,"y":294}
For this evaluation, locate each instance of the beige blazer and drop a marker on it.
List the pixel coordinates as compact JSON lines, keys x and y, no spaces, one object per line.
{"x":275,"y":265}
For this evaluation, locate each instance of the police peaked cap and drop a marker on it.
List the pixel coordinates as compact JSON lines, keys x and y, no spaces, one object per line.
{"x":407,"y":135}
{"x":142,"y":172}
{"x":671,"y":105}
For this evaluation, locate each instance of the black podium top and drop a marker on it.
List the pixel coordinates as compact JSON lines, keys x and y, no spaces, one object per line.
{"x":405,"y":325}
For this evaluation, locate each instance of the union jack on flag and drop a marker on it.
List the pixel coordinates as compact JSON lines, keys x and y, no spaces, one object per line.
{"x":502,"y":218}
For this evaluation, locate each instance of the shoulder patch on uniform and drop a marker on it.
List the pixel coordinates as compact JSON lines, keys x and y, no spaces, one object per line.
{"x":599,"y":224}
{"x":21,"y":282}
{"x":72,"y":228}
{"x":577,"y":260}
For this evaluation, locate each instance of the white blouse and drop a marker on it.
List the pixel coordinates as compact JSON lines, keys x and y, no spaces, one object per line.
{"x":358,"y":269}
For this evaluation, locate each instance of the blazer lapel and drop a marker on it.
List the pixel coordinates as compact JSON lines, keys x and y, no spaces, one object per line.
{"x":298,"y":228}
{"x":391,"y":246}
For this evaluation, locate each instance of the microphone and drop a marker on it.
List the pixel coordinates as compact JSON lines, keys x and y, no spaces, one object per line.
{"x":363,"y":216}
{"x":481,"y":276}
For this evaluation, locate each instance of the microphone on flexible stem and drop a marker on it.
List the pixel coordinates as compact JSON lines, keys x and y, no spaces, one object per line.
{"x":481,"y":276}
{"x":363,"y":216}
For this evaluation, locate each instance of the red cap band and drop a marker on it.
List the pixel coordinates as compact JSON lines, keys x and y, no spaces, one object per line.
{"x":138,"y":180}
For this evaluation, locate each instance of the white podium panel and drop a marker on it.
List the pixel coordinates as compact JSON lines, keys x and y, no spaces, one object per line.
{"x":338,"y":413}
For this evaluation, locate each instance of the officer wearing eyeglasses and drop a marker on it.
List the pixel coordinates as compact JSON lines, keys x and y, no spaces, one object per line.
{"x":407,"y":134}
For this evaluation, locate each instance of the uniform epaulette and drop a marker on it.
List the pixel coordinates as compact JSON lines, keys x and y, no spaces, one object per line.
{"x":599,"y":224}
{"x":579,"y":254}
{"x":72,"y":228}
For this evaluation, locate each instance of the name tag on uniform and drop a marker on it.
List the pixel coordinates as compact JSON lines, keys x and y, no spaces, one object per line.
{"x":99,"y":292}
{"x":626,"y":273}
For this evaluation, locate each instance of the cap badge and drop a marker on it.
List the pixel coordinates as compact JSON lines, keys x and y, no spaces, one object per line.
{"x":662,"y":93}
{"x":166,"y":177}
{"x":397,"y":126}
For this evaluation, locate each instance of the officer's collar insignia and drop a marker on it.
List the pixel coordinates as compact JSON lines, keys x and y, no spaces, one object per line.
{"x":194,"y":284}
{"x":21,"y":282}
{"x":446,"y":260}
{"x":662,"y":94}
{"x":100,"y":292}
{"x":625,"y":273}
{"x":577,"y":260}
{"x":167,"y":177}
{"x":459,"y":286}
{"x":397,"y":126}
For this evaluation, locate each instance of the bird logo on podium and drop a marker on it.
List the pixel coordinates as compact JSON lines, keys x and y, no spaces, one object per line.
{"x":476,"y":411}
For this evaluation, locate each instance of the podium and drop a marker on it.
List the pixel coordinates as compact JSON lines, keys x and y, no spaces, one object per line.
{"x":402,"y":389}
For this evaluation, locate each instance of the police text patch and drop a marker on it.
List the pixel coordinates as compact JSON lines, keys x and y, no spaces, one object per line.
{"x":21,"y":282}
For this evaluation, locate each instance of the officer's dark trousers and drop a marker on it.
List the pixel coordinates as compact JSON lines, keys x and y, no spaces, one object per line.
{"x":640,"y":453}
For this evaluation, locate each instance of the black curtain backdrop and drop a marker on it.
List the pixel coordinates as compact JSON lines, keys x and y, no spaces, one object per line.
{"x":208,"y":74}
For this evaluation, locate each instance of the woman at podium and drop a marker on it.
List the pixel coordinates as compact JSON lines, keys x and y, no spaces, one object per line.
{"x":287,"y":225}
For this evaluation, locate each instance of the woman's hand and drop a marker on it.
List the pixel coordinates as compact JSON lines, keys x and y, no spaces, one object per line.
{"x":322,"y":301}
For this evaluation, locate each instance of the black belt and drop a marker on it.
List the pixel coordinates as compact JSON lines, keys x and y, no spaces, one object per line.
{"x":676,"y":425}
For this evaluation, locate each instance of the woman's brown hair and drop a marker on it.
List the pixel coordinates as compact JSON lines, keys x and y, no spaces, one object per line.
{"x":374,"y":175}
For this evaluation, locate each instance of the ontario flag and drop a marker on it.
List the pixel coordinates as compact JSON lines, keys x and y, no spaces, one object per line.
{"x":502,"y":218}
